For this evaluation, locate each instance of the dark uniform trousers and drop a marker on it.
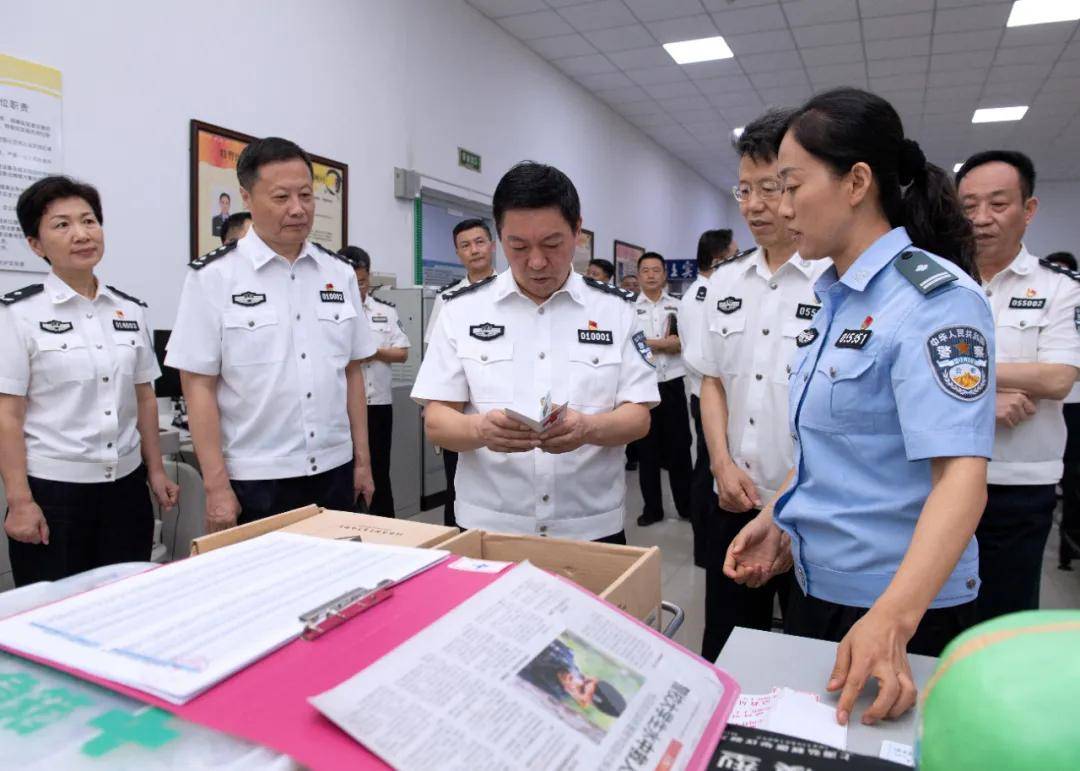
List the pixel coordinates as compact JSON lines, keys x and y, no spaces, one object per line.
{"x":1012,"y":536}
{"x":728,"y":604}
{"x":822,"y":620}
{"x":261,"y":498}
{"x":1070,"y":489}
{"x":702,"y":497}
{"x":450,"y":469}
{"x":380,"y":423}
{"x":90,"y":525}
{"x":667,"y":444}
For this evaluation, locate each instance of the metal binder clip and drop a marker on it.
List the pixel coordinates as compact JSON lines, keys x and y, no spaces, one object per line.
{"x":337,"y":611}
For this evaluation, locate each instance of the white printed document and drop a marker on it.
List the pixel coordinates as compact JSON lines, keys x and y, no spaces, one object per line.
{"x":792,"y":713}
{"x":177,"y":630}
{"x":532,"y":673}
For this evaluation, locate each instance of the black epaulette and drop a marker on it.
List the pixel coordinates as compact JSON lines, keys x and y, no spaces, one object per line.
{"x":126,"y":296}
{"x":381,"y":300}
{"x":1075,"y":276}
{"x":447,"y":285}
{"x":468,"y":288}
{"x":21,"y":294}
{"x":603,"y":286}
{"x":201,"y":262}
{"x":677,"y":296}
{"x":924,"y":272}
{"x":740,"y":255}
{"x":335,"y":255}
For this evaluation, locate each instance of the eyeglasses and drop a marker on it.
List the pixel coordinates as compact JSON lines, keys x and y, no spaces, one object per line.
{"x":767,"y":190}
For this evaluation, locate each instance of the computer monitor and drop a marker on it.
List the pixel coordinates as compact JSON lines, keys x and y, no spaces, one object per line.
{"x":168,"y":385}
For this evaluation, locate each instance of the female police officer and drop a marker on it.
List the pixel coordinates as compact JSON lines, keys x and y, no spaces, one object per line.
{"x":891,"y":404}
{"x":76,"y":367}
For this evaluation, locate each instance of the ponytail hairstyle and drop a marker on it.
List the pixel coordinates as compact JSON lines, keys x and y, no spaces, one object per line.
{"x":845,"y":126}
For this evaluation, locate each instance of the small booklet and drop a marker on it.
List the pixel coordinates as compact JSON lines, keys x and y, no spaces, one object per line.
{"x":538,"y":420}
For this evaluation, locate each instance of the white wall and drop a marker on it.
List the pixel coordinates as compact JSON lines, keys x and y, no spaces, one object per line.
{"x":373,"y":83}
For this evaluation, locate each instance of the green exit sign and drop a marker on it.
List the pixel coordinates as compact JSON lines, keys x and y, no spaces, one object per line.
{"x":468,"y":159}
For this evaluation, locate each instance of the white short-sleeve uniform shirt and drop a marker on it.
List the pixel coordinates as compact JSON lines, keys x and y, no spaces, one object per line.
{"x":386,"y":328}
{"x":77,"y":362}
{"x":495,"y":348}
{"x":278,"y":336}
{"x":654,"y":320}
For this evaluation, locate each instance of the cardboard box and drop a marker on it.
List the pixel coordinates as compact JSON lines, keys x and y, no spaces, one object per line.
{"x":327,"y":523}
{"x":626,"y":576}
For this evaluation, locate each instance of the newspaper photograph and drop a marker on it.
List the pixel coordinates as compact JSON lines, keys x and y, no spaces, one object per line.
{"x":533,"y":672}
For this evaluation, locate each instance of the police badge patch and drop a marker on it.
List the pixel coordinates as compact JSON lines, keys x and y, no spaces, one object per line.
{"x":643,"y":349}
{"x":729,"y":304}
{"x":958,"y":357}
{"x":56,"y":326}
{"x":806,"y":337}
{"x":486,"y":331}
{"x":249,"y":298}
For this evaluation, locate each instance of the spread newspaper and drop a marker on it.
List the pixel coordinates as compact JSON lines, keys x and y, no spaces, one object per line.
{"x":533,"y":672}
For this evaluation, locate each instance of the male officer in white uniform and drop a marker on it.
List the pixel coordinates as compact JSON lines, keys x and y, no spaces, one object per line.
{"x":268,"y":339}
{"x":1036,"y":307}
{"x":393,"y":348}
{"x":668,"y":440}
{"x":538,"y":332}
{"x":714,"y":246}
{"x":758,"y":303}
{"x":476,"y":250}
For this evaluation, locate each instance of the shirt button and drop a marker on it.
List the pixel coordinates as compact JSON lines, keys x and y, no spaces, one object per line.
{"x":314,"y":468}
{"x":483,"y":357}
{"x":832,"y":371}
{"x":108,"y":412}
{"x":109,"y":445}
{"x":108,"y":475}
{"x":989,"y":292}
{"x":297,"y":316}
{"x":764,"y":331}
{"x":757,"y":377}
{"x":772,"y":285}
{"x":1023,"y":323}
{"x":311,"y":460}
{"x":63,"y":346}
{"x":804,"y":377}
{"x":595,"y":359}
{"x":970,"y":583}
{"x":543,"y":528}
{"x":309,"y":394}
{"x":105,"y":379}
{"x":542,"y":354}
{"x":541,"y":311}
{"x":336,"y":317}
{"x":303,"y":356}
{"x":545,"y":498}
{"x":746,"y":463}
{"x":794,"y":437}
{"x":293,"y":277}
{"x":751,"y":421}
{"x":723,"y":330}
{"x":251,"y":323}
{"x":312,"y":434}
{"x":98,"y":347}
{"x":787,"y":368}
{"x":89,"y":315}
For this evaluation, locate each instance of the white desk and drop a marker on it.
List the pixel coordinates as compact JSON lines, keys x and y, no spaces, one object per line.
{"x":761,"y":660}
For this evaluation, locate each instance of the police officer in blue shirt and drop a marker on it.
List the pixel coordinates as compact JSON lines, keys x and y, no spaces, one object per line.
{"x":891,"y":404}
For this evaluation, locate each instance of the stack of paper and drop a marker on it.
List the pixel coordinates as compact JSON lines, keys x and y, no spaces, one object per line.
{"x":792,"y":713}
{"x":175,"y":631}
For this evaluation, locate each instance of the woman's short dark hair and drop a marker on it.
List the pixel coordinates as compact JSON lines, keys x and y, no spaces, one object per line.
{"x":845,"y":126}
{"x":469,"y":224}
{"x":356,"y":256}
{"x":1023,"y":165}
{"x":264,"y":151}
{"x":532,"y":185}
{"x":711,"y":246}
{"x":35,"y":199}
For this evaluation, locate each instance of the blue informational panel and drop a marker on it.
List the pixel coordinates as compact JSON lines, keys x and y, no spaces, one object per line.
{"x":681,"y":270}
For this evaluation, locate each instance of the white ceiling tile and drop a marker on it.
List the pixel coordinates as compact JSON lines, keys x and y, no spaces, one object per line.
{"x":682,"y":104}
{"x":909,"y":65}
{"x":1052,"y":104}
{"x":605,"y":81}
{"x":620,"y":38}
{"x":828,"y":34}
{"x":672,"y":90}
{"x":598,"y":15}
{"x":738,"y":21}
{"x":972,"y":77}
{"x":671,"y":73}
{"x":493,"y":9}
{"x":838,"y":75}
{"x":743,"y":113}
{"x":725,"y":85}
{"x":897,"y":82}
{"x":561,"y":46}
{"x":1067,"y":68}
{"x":903,"y":98}
{"x":964,"y":60}
{"x":779,"y":78}
{"x":529,"y":26}
{"x":847,"y":53}
{"x":639,"y":109}
{"x":1072,"y":50}
{"x":781,"y":60}
{"x":972,"y":3}
{"x":719,"y":68}
{"x":589,"y":64}
{"x":1010,"y":73}
{"x":887,"y":27}
{"x":786,"y":96}
{"x":723,"y":5}
{"x":654,"y":120}
{"x":564,"y":3}
{"x":656,"y":10}
{"x":899,"y":47}
{"x":804,"y":13}
{"x":1015,"y":92}
{"x":726,"y":102}
{"x":945,"y":92}
{"x":1028,"y":55}
{"x":1038,"y":35}
{"x":618,"y":95}
{"x":761,"y":42}
{"x":686,"y":28}
{"x":872,"y":8}
{"x":954,"y":42}
{"x":968,"y":19}
{"x":641,"y":58}
{"x":701,"y":115}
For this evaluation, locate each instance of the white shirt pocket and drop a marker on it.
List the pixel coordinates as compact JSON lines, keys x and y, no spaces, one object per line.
{"x":61,"y":359}
{"x":252,"y":336}
{"x":594,"y":375}
{"x":489,"y":370}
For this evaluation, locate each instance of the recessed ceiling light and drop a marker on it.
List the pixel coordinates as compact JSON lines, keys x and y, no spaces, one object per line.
{"x":1025,"y":12}
{"x":737,"y":131}
{"x":957,"y":166}
{"x":996,"y":114}
{"x":704,"y":49}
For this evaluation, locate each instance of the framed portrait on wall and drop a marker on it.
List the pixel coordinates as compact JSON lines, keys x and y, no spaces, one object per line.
{"x":625,"y":258}
{"x":583,"y":250}
{"x":215,"y":191}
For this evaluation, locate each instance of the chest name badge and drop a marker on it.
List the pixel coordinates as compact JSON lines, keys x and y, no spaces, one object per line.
{"x":249,"y":298}
{"x":56,"y":326}
{"x":596,"y":336}
{"x":806,"y":337}
{"x":379,"y":319}
{"x":1030,"y":303}
{"x":331,"y":296}
{"x":854,"y":338}
{"x":806,"y":311}
{"x":125,"y":325}
{"x":701,"y":292}
{"x":643,"y":349}
{"x":486,"y":331}
{"x":959,"y":361}
{"x":729,"y":304}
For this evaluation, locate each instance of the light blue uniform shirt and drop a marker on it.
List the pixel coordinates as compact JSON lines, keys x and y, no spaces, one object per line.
{"x":884,"y":379}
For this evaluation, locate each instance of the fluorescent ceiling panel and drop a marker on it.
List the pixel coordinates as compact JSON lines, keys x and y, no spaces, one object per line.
{"x":704,"y":49}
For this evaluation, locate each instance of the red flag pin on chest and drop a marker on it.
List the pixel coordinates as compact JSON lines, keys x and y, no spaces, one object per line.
{"x":867,"y":322}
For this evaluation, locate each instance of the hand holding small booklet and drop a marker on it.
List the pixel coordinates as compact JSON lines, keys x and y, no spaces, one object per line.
{"x":538,"y":420}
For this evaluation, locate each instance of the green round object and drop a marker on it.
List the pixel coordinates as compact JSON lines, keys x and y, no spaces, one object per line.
{"x":1005,"y":695}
